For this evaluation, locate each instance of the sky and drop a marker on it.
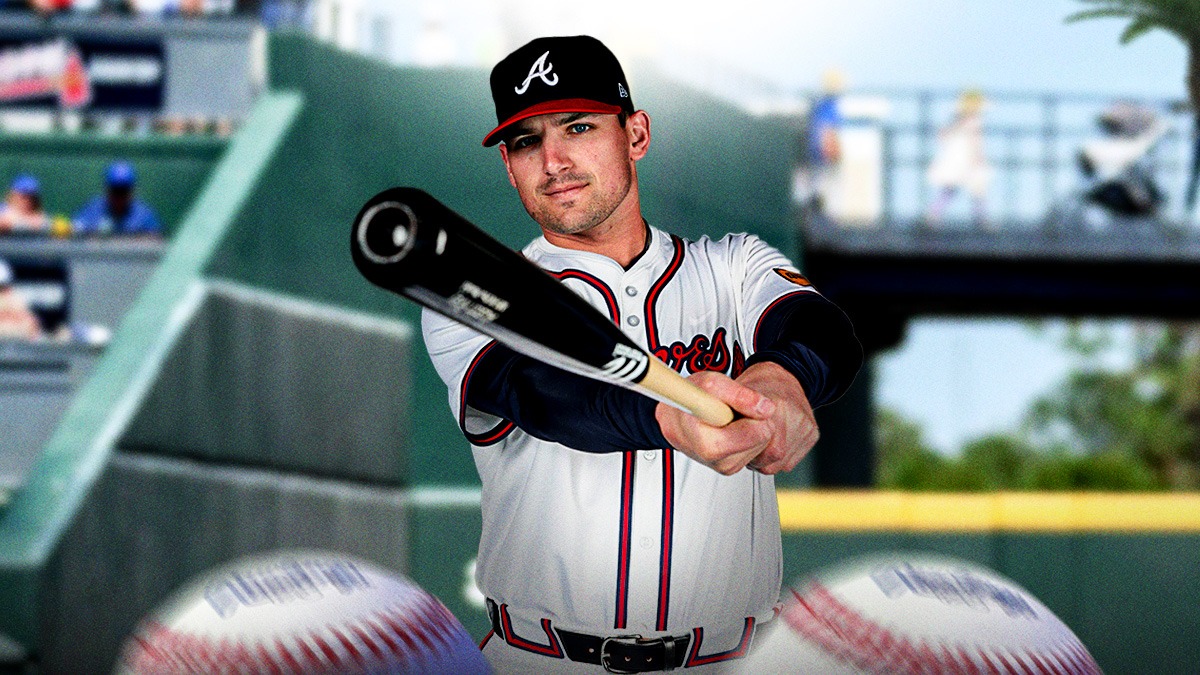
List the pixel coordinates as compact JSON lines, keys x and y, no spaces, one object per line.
{"x":959,"y":379}
{"x":1015,"y":45}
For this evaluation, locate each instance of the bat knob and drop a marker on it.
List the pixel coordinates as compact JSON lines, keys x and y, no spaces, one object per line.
{"x":385,"y":232}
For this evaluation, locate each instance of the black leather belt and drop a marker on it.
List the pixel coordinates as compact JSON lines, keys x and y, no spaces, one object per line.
{"x":626,"y":653}
{"x":620,"y":654}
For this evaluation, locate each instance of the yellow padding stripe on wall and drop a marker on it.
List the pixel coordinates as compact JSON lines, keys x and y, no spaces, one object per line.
{"x":879,"y":511}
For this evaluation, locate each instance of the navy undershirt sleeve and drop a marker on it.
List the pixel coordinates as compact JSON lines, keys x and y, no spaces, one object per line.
{"x":554,"y":405}
{"x":805,"y":333}
{"x":813,"y":340}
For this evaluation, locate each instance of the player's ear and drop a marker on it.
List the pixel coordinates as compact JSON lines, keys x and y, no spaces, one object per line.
{"x":507,"y":167}
{"x":637,"y":128}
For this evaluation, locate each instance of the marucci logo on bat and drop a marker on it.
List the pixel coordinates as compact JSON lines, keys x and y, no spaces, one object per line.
{"x":476,"y":303}
{"x":627,"y":364}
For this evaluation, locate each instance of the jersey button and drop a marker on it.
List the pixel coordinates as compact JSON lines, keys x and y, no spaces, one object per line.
{"x":630,"y":291}
{"x":649,"y":455}
{"x":633,"y":321}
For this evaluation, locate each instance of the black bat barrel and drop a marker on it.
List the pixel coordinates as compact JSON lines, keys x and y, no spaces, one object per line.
{"x":409,"y":243}
{"x":402,"y":235}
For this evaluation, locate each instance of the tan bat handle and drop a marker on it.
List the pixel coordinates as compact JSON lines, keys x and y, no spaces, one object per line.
{"x":674,"y":388}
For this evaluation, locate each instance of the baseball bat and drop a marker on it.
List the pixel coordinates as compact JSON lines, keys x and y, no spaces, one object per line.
{"x":408,"y":242}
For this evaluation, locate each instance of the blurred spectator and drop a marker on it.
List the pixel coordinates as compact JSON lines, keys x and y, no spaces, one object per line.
{"x":48,"y":7}
{"x":149,"y":7}
{"x":181,"y":8}
{"x":960,"y":162}
{"x":187,"y":8}
{"x":822,"y":154}
{"x":16,"y":319}
{"x":22,"y":212}
{"x":277,"y":14}
{"x":117,"y":211}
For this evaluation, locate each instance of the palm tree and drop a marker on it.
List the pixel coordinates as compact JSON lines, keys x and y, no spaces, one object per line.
{"x":1178,"y":17}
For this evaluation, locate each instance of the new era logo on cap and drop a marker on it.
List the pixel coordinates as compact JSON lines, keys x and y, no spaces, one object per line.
{"x":557,"y":74}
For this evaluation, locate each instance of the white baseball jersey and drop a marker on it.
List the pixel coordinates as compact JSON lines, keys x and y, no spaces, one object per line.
{"x":648,"y":541}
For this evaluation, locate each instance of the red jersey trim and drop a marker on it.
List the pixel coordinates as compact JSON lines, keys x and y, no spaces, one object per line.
{"x":765,"y":312}
{"x":668,"y":527}
{"x":496,"y":433}
{"x":624,"y":540}
{"x":552,"y":649}
{"x":656,"y":289}
{"x":592,"y":280}
{"x":694,"y":658}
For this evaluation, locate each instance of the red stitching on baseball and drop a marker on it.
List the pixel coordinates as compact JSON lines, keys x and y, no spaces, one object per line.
{"x":308,"y":652}
{"x":370,"y":643}
{"x":841,"y":631}
{"x":264,"y":657}
{"x":1072,"y":658}
{"x":446,"y":620}
{"x":427,"y":614}
{"x":1085,"y":659}
{"x":349,"y":645}
{"x":1007,"y":666}
{"x":399,"y":632}
{"x":418,"y":629}
{"x":286,"y":655}
{"x":1041,"y":666}
{"x":440,"y":627}
{"x":325,"y":649}
{"x":387,"y":640}
{"x":240,"y":655}
{"x":991,"y":666}
{"x":1055,"y":658}
{"x":969,"y":666}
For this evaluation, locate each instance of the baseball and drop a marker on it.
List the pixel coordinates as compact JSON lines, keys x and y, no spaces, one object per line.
{"x":910,"y":614}
{"x":301,"y":612}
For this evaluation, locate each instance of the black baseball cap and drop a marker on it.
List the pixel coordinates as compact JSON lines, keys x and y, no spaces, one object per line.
{"x":556,"y":75}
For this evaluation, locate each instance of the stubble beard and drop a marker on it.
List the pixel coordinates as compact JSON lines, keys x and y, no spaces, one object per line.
{"x":577,"y":218}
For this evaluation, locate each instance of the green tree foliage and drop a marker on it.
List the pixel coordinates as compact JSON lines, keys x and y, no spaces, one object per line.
{"x":1148,"y":413}
{"x":1179,"y":17}
{"x":1136,"y":428}
{"x":905,"y":461}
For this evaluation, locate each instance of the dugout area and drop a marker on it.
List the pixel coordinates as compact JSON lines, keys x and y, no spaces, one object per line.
{"x":261,"y":395}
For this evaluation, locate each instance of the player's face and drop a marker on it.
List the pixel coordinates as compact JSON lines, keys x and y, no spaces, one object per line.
{"x":573,"y":171}
{"x":21,"y":202}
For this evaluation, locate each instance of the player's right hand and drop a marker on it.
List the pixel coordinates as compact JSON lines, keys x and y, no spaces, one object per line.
{"x":725,"y":449}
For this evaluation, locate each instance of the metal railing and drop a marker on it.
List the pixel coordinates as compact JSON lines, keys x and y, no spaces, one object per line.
{"x":1032,"y":147}
{"x":1032,"y":142}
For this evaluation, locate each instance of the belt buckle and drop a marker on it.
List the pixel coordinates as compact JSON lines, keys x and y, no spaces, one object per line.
{"x":605,"y":658}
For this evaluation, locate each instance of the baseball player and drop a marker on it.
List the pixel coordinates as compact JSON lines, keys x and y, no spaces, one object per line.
{"x":621,"y":534}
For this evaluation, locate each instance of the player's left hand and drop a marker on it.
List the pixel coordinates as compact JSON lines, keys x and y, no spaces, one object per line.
{"x":793,"y":426}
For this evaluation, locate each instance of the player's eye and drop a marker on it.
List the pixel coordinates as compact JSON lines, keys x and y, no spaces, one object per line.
{"x":523,"y":142}
{"x":578,"y":128}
